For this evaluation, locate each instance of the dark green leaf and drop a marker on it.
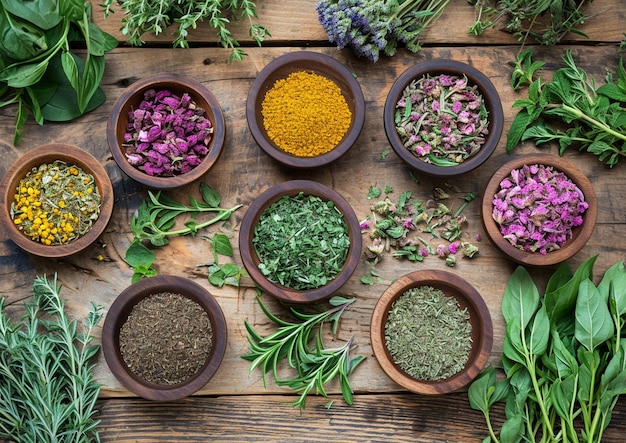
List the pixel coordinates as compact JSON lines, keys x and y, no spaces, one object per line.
{"x":594,"y":324}
{"x":221,"y":245}
{"x":20,"y":40}
{"x":210,"y":196}
{"x":517,"y":129}
{"x":137,"y":255}
{"x":521,"y":298}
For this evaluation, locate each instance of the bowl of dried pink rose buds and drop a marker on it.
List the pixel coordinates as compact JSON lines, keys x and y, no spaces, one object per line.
{"x":443,"y":118}
{"x":539,"y":209}
{"x":166,"y":131}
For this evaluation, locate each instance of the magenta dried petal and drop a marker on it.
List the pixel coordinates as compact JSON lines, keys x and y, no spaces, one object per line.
{"x":185,"y":167}
{"x":162,"y":148}
{"x":135,"y":159}
{"x":170,"y":101}
{"x":193,"y":160}
{"x":141,"y":147}
{"x":181,"y":144}
{"x":162,"y":94}
{"x":201,"y":149}
{"x":185,"y":100}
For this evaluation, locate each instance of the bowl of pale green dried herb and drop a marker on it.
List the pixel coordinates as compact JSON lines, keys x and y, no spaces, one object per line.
{"x":431,"y":332}
{"x":300,"y":241}
{"x":56,"y":200}
{"x":164,"y":337}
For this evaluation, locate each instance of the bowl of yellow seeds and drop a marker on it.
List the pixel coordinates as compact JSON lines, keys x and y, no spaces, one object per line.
{"x":305,"y":109}
{"x":56,"y":200}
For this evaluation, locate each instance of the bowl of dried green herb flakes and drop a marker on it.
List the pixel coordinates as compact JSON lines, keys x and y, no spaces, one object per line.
{"x":56,"y":200}
{"x":443,"y":118}
{"x":164,"y":337}
{"x":305,"y":109}
{"x":431,"y":332}
{"x":300,"y":241}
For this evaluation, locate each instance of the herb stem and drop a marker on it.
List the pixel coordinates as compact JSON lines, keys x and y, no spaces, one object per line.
{"x":223,"y":214}
{"x":579,"y":114}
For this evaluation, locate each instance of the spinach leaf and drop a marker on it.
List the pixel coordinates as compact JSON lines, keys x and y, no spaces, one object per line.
{"x":44,"y":14}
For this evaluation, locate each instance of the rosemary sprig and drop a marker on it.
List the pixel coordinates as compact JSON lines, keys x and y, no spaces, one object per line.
{"x":47,"y":390}
{"x":156,"y":216}
{"x":316,"y":365}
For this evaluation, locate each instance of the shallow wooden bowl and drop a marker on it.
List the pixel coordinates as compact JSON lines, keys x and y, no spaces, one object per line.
{"x":34,"y":158}
{"x":321,"y":64}
{"x":118,"y":314}
{"x":132,"y":97}
{"x":474,"y":77}
{"x":480,"y":319}
{"x":251,"y":260}
{"x":580,"y":234}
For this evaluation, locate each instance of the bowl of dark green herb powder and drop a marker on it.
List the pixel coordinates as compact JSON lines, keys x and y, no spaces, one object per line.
{"x":431,"y":332}
{"x":300,"y":241}
{"x":164,"y":337}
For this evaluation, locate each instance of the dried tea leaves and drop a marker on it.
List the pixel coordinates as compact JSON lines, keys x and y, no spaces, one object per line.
{"x":428,"y":335}
{"x":166,"y":339}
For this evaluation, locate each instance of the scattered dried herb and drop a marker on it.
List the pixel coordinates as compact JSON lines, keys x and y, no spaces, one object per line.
{"x":442,"y":120}
{"x":47,"y":389}
{"x":56,"y":203}
{"x":166,"y":339}
{"x":227,"y":273}
{"x":316,"y":365}
{"x":306,"y":114}
{"x":427,"y":334}
{"x":167,"y":134}
{"x":536,"y":208}
{"x":564,"y":357}
{"x":302,"y":241}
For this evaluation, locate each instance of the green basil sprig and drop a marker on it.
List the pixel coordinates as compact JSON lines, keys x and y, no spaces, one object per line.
{"x":564,"y":357}
{"x":39,"y":71}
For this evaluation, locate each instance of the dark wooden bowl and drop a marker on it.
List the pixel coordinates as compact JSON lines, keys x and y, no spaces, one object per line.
{"x":36,"y":157}
{"x":480,"y":319}
{"x":118,"y":314}
{"x":132,"y":97}
{"x":321,"y":64}
{"x":251,"y":260}
{"x":580,"y":234}
{"x":474,"y":77}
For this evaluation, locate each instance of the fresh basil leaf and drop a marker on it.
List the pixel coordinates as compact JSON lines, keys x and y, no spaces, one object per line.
{"x":20,"y":40}
{"x":221,"y":245}
{"x":44,"y":14}
{"x":594,"y":324}
{"x":481,"y":390}
{"x":512,"y":429}
{"x":521,"y":298}
{"x":210,"y":196}
{"x":73,"y":10}
{"x":539,"y":333}
{"x":21,"y":76}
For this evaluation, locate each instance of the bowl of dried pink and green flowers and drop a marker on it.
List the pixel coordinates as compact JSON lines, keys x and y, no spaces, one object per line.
{"x":166,"y":130}
{"x":539,"y":209}
{"x":443,"y":118}
{"x":55,"y":200}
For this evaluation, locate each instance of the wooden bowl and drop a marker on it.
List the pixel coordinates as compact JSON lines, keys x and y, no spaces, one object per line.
{"x":36,"y":157}
{"x":321,"y":64}
{"x":474,"y":77}
{"x":580,"y":234}
{"x":132,"y":97}
{"x":467,"y":297}
{"x":118,"y":314}
{"x":251,"y":260}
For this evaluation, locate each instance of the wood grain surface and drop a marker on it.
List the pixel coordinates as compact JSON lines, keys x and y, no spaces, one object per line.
{"x":234,"y":405}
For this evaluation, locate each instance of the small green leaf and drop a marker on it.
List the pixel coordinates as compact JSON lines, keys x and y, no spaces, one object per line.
{"x":210,"y":196}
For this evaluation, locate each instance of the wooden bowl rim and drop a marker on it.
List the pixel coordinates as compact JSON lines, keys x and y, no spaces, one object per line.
{"x":451,"y":284}
{"x":308,"y":61}
{"x":583,"y":233}
{"x":199,"y":93}
{"x":118,"y":314}
{"x":474,"y":76}
{"x":250,"y":259}
{"x":47,"y":154}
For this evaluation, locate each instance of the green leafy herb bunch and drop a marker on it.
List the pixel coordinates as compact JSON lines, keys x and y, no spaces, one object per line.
{"x":564,"y":356}
{"x":47,"y":389}
{"x":39,"y":70}
{"x":154,"y":16}
{"x":571,"y":111}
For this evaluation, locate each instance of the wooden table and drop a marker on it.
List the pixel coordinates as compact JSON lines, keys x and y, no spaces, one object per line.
{"x":234,"y":406}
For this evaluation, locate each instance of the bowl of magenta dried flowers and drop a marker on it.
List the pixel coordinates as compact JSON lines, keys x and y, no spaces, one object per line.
{"x":166,"y":130}
{"x":164,"y":337}
{"x":431,"y":332}
{"x":56,"y":200}
{"x":539,"y":209}
{"x":443,"y":118}
{"x":300,"y":241}
{"x":305,"y":109}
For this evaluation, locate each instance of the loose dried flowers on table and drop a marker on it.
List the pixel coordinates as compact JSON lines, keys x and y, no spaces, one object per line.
{"x":56,"y":203}
{"x":167,"y":134}
{"x":536,"y":208}
{"x":442,"y":119}
{"x":416,"y":229}
{"x":306,"y":114}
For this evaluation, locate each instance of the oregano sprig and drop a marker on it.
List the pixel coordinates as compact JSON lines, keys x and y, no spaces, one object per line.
{"x":316,"y":365}
{"x":47,"y":389}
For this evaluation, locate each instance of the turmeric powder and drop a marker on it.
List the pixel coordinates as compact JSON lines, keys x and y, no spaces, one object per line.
{"x":306,"y":114}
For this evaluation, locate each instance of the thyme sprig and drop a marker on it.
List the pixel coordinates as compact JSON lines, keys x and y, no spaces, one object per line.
{"x":315,"y":364}
{"x":594,"y":117}
{"x":156,"y":216}
{"x":47,"y":390}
